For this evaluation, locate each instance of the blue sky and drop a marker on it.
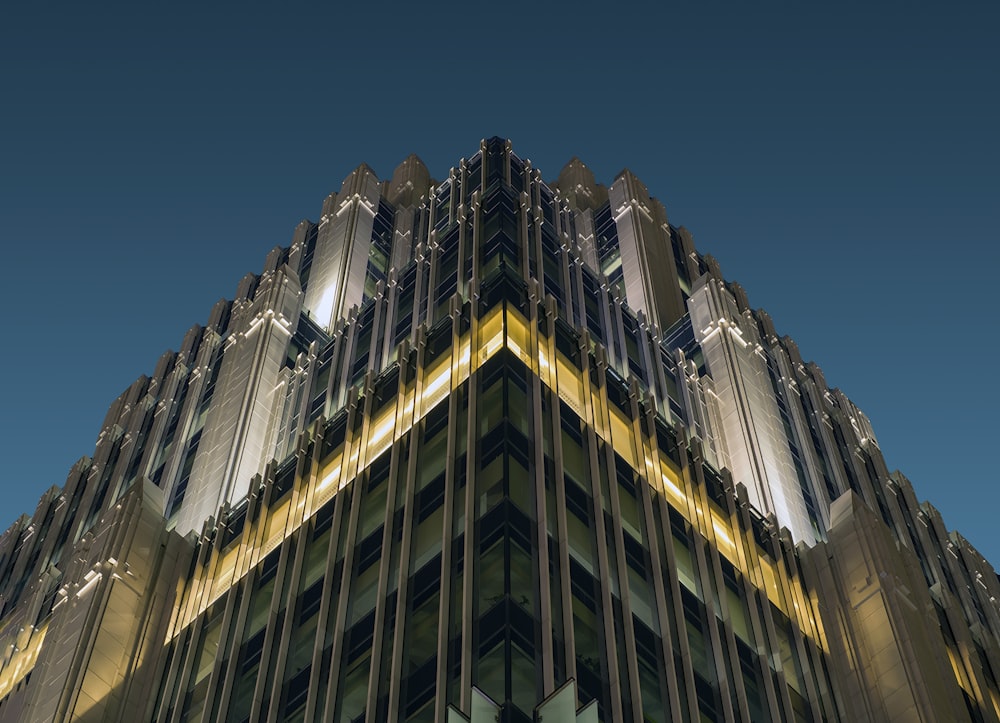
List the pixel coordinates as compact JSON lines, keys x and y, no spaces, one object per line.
{"x":841,"y":161}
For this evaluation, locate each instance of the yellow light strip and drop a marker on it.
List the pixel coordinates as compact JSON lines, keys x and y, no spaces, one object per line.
{"x":959,"y":670}
{"x":330,"y":476}
{"x":437,"y":388}
{"x":498,"y":330}
{"x":722,"y":537}
{"x":381,"y":435}
{"x":671,"y":486}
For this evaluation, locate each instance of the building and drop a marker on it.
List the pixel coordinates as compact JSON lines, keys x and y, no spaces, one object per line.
{"x":490,"y":449}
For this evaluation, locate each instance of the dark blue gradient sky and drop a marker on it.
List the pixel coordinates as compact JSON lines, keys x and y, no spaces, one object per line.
{"x":840,"y":160}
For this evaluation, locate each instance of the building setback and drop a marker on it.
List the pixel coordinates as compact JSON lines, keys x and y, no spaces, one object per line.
{"x":490,"y":449}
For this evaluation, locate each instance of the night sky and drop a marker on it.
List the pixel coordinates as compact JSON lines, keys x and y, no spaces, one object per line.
{"x":840,"y":160}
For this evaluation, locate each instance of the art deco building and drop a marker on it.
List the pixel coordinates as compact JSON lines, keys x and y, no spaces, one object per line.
{"x":490,"y":449}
